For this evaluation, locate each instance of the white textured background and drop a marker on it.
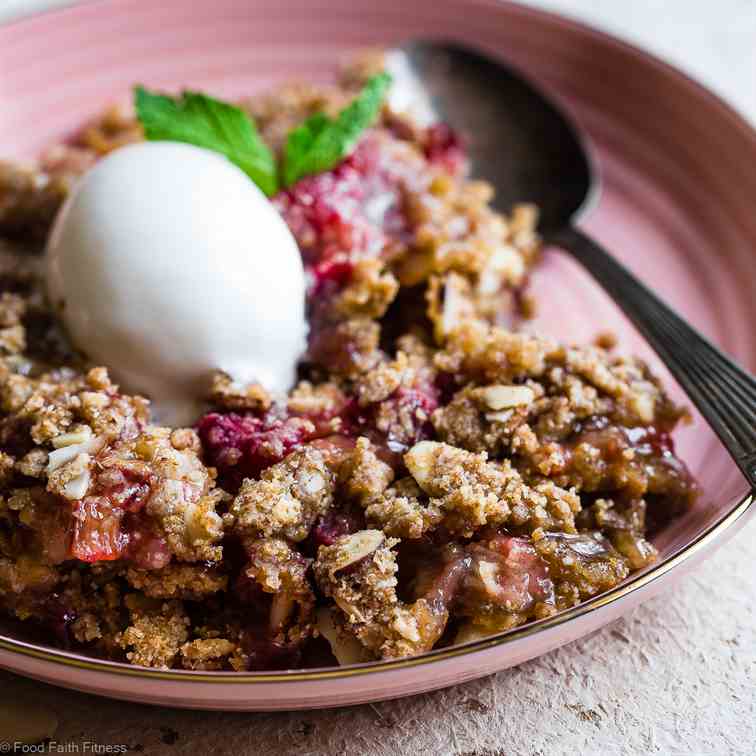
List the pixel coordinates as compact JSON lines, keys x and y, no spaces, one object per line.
{"x":678,"y":676}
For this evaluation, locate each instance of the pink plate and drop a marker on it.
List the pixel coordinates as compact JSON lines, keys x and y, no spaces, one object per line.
{"x":677,"y":207}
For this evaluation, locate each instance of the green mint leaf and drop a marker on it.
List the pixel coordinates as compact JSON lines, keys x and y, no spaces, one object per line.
{"x":203,"y":121}
{"x":321,"y":142}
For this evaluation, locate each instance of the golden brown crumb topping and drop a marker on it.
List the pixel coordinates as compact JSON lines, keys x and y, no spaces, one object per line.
{"x":156,"y":632}
{"x":183,"y":581}
{"x":359,"y":573}
{"x":471,"y":492}
{"x":435,"y":476}
{"x":287,"y":499}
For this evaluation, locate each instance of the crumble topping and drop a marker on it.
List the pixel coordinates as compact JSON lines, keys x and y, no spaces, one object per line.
{"x":287,"y":499}
{"x":363,"y":476}
{"x":206,"y":653}
{"x":584,"y":563}
{"x":156,"y":632}
{"x":228,"y":395}
{"x":280,"y":570}
{"x":359,"y":573}
{"x":435,"y":476}
{"x":471,"y":492}
{"x":182,"y":581}
{"x":403,"y":511}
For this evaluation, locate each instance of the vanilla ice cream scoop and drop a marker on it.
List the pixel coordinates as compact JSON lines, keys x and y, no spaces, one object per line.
{"x":166,"y":264}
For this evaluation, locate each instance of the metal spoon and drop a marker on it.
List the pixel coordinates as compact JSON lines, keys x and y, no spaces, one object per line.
{"x":531,"y":152}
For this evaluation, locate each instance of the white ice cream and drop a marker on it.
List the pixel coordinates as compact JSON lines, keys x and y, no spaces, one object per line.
{"x":168,"y":263}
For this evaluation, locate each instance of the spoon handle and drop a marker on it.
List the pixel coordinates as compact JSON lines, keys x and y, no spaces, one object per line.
{"x":723,"y":392}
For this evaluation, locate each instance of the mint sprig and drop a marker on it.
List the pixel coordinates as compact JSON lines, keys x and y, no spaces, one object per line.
{"x":203,"y":121}
{"x":314,"y":146}
{"x":321,"y":142}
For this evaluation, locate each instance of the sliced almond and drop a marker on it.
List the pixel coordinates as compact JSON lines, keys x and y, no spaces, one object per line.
{"x":488,"y":572}
{"x":499,"y":397}
{"x":420,"y":461}
{"x":280,"y":610}
{"x":457,"y":305}
{"x":356,"y":547}
{"x":504,"y":264}
{"x":406,"y":625}
{"x":60,"y":457}
{"x":351,"y":611}
{"x":77,"y":487}
{"x":502,"y":416}
{"x":65,"y":454}
{"x":79,"y":436}
{"x":346,"y":649}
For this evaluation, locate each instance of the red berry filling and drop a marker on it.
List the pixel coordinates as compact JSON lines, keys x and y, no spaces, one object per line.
{"x":109,"y":524}
{"x":521,"y":576}
{"x":346,"y":212}
{"x":97,"y":532}
{"x":396,"y":423}
{"x":444,"y":145}
{"x":242,"y":446}
{"x":265,"y":652}
{"x":330,"y":527}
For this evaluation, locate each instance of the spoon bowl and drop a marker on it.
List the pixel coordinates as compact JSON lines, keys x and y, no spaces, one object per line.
{"x":517,"y":139}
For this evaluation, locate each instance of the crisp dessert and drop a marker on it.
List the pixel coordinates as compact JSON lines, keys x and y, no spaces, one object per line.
{"x":434,"y":474}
